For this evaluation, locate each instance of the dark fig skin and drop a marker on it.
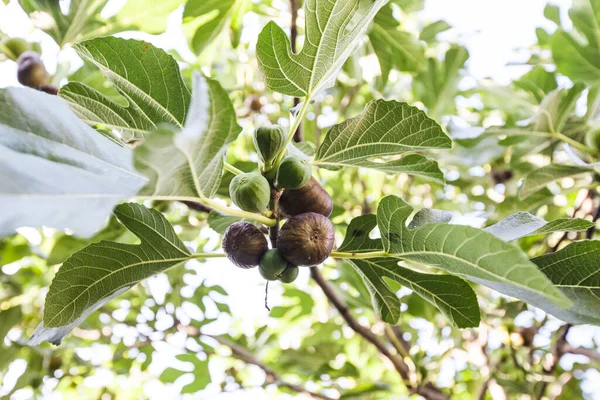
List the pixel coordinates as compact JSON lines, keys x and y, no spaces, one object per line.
{"x":312,"y":197}
{"x":289,"y":275}
{"x":31,"y":71}
{"x":306,"y":239}
{"x":244,"y":244}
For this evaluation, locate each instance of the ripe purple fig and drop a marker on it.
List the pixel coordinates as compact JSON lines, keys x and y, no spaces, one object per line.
{"x":31,"y":71}
{"x":244,"y":244}
{"x":311,"y":197}
{"x":306,"y":239}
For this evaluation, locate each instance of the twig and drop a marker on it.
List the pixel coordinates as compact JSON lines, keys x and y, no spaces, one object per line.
{"x":197,"y":206}
{"x":428,"y":391}
{"x":557,"y":352}
{"x":242,"y":354}
{"x":575,"y":211}
{"x":584,"y":351}
{"x":298,"y":135}
{"x":267,"y":296}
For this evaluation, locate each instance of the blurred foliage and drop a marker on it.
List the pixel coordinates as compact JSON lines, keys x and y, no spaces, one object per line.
{"x":170,"y":334}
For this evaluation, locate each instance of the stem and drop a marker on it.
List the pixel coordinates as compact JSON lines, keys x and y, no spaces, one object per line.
{"x":237,"y":213}
{"x":356,"y":256}
{"x":293,"y":128}
{"x":574,"y":143}
{"x":208,"y":255}
{"x":232,"y":169}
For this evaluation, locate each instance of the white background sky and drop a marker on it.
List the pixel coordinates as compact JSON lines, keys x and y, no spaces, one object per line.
{"x":492,"y":30}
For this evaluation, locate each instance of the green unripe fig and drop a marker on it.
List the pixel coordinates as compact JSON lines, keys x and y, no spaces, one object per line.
{"x":306,"y":239}
{"x":290,"y":274}
{"x":272,"y":264}
{"x":311,"y":197}
{"x":293,"y":173}
{"x":592,"y":139}
{"x":269,"y":142}
{"x":250,"y":192}
{"x":244,"y":244}
{"x":16,"y":46}
{"x":31,"y":71}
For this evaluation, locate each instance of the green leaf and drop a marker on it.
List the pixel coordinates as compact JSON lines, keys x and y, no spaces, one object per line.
{"x":467,"y":252}
{"x":452,"y":295}
{"x":219,"y":222}
{"x":394,"y":47}
{"x":538,"y":82}
{"x":436,"y":85}
{"x":430,"y":32}
{"x":208,"y":19}
{"x":357,"y":238}
{"x":55,"y":169}
{"x":579,"y":62}
{"x":538,"y":179}
{"x":132,"y":67}
{"x":199,"y":370}
{"x":524,"y":224}
{"x":575,"y":270}
{"x":552,"y":12}
{"x":384,"y":128}
{"x":327,"y":46}
{"x":101,"y":271}
{"x":585,"y":15}
{"x":189,"y":163}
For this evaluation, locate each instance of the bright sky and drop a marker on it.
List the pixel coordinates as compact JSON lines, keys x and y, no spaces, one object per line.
{"x":492,"y":30}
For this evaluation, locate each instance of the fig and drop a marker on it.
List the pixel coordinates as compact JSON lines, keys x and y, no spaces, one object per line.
{"x":50,"y":89}
{"x":293,"y":173}
{"x":16,"y":46}
{"x":244,"y":244}
{"x":311,"y":197}
{"x":272,"y":264}
{"x":250,"y":192}
{"x":269,"y":142}
{"x":592,"y":139}
{"x":290,"y":274}
{"x":306,"y":239}
{"x":31,"y":71}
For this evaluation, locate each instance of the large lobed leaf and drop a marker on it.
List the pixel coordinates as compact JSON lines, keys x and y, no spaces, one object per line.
{"x":467,"y":252}
{"x":147,"y":77}
{"x":385,"y":128}
{"x":575,"y":270}
{"x":539,"y":178}
{"x":55,"y":169}
{"x":101,"y":271}
{"x":452,"y":295}
{"x":189,"y":163}
{"x":328,"y":44}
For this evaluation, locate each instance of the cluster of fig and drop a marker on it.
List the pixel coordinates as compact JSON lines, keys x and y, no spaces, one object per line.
{"x":287,"y":189}
{"x":31,"y":71}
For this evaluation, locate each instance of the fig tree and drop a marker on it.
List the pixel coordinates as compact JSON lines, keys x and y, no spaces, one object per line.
{"x":290,"y":274}
{"x":311,"y":197}
{"x":31,"y":71}
{"x":269,"y":142}
{"x":250,"y":192}
{"x":592,"y":139}
{"x":244,"y":244}
{"x":293,"y":173}
{"x":306,"y":239}
{"x":272,"y":264}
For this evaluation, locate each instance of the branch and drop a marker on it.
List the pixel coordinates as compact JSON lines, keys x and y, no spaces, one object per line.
{"x":557,"y":352}
{"x":197,"y":206}
{"x":584,"y":351}
{"x":428,"y":391}
{"x":244,"y":355}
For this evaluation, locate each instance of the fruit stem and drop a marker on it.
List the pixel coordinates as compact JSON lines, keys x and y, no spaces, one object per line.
{"x":574,"y":143}
{"x":233,"y":169}
{"x":372,"y":254}
{"x":293,"y":128}
{"x":237,"y":213}
{"x":208,"y":255}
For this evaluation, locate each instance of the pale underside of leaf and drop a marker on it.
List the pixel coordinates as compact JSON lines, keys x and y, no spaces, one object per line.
{"x":55,"y":168}
{"x":523,"y":224}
